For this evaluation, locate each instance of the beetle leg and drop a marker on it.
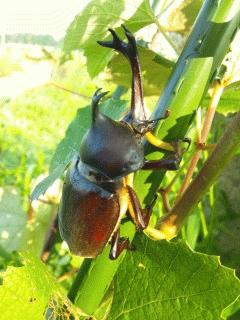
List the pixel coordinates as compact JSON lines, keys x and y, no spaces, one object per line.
{"x":140,"y":216}
{"x":169,"y":146}
{"x":171,"y":163}
{"x":129,"y":50}
{"x":118,"y":244}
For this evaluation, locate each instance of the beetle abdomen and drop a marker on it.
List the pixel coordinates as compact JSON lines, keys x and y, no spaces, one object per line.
{"x":87,"y":216}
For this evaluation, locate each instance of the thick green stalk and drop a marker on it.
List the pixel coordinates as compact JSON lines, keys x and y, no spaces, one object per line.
{"x":93,"y":280}
{"x":198,"y":63}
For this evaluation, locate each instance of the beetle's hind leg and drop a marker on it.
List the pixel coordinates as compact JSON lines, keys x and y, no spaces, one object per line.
{"x":118,"y":244}
{"x":139,"y":215}
{"x":141,"y":219}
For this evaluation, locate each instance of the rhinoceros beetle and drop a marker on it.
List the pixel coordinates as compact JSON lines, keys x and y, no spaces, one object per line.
{"x":98,"y":190}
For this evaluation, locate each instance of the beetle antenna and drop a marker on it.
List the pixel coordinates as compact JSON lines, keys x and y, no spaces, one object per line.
{"x":95,"y":100}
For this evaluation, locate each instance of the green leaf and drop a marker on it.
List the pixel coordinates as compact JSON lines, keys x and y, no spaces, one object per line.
{"x":69,"y":146}
{"x":28,"y":290}
{"x":143,"y":16}
{"x":155,"y":71}
{"x":92,"y":24}
{"x":193,"y":228}
{"x":182,"y":18}
{"x":233,"y":309}
{"x":16,"y":232}
{"x":229,"y":102}
{"x":12,"y":219}
{"x":42,"y":187}
{"x":168,"y":281}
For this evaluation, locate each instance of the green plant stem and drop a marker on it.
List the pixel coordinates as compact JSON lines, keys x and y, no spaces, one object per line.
{"x":216,"y":162}
{"x":94,"y":277}
{"x":203,"y":134}
{"x":203,"y":221}
{"x":84,"y":268}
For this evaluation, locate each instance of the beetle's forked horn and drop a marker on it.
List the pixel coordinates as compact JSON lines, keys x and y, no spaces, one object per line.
{"x":129,"y":50}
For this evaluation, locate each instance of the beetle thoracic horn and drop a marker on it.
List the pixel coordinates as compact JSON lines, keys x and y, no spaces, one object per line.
{"x":95,"y":100}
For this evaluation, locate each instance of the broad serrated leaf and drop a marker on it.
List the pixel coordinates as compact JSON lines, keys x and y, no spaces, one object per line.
{"x":27,"y":291}
{"x":69,"y":146}
{"x":168,"y":281}
{"x":154,"y":69}
{"x":92,"y":24}
{"x":233,"y":309}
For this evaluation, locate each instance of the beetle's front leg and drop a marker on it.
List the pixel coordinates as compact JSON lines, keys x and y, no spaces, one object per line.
{"x":169,"y":146}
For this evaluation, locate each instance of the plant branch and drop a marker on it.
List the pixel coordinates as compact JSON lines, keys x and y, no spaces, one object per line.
{"x":216,"y":95}
{"x":50,"y":237}
{"x":226,"y":148}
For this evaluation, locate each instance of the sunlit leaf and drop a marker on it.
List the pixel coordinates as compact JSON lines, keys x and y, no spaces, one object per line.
{"x":12,"y":219}
{"x":92,"y":25}
{"x":169,"y":281}
{"x":229,"y":103}
{"x":28,"y":291}
{"x":183,"y":15}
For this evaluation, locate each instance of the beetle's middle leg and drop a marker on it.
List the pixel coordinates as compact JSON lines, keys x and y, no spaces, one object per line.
{"x":139,"y":215}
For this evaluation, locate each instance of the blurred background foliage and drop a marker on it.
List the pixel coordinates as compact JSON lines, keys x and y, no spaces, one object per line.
{"x":34,"y":118}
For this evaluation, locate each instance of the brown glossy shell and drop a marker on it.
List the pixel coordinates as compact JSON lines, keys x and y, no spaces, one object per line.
{"x":87,"y":216}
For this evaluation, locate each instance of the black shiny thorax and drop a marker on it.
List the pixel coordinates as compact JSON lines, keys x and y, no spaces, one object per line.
{"x":112,"y":148}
